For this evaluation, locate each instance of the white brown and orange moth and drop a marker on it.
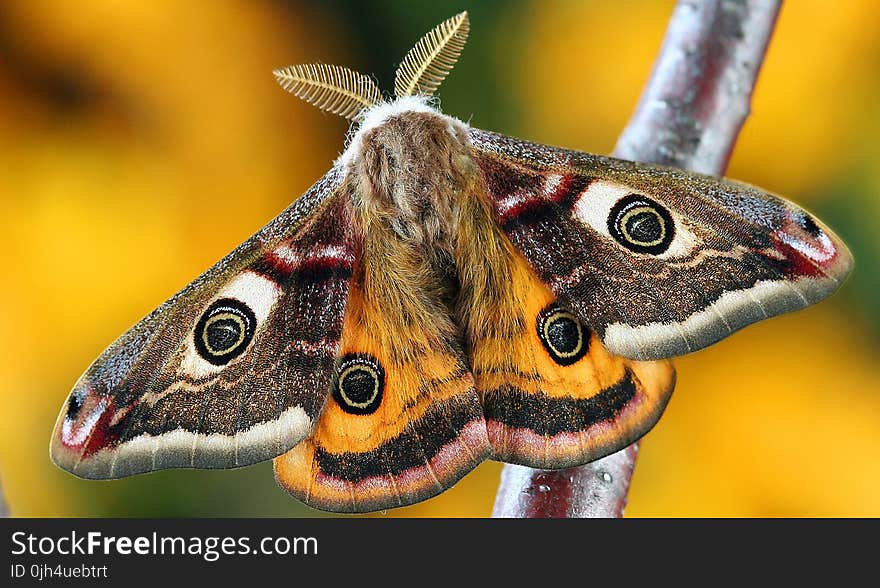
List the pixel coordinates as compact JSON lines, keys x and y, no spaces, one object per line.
{"x":443,"y":295}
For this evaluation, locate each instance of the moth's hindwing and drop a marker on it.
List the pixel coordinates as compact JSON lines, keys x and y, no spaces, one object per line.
{"x":658,"y":262}
{"x":403,"y":421}
{"x":553,"y":397}
{"x":232,"y":370}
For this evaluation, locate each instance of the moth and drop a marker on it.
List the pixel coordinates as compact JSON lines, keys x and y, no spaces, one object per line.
{"x":442,"y":296}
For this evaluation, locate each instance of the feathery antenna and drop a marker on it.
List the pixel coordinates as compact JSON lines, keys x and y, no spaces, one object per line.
{"x":428,"y":63}
{"x":329,"y":87}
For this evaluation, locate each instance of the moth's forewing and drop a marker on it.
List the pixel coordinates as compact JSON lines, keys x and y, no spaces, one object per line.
{"x":660,"y":262}
{"x":233,"y":369}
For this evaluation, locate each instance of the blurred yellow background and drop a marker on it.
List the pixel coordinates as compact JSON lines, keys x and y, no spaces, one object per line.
{"x":141,"y":141}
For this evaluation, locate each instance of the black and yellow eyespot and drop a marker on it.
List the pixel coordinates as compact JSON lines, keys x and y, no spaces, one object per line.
{"x":224,"y":331}
{"x":563,"y":335}
{"x":641,"y":225}
{"x":360,"y":381}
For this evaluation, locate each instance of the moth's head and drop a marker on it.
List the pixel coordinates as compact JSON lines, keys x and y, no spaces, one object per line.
{"x":398,"y":129}
{"x":357,"y":97}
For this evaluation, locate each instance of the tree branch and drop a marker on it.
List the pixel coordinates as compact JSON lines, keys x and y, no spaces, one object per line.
{"x":689,"y":116}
